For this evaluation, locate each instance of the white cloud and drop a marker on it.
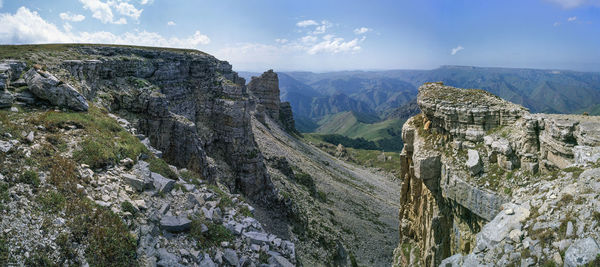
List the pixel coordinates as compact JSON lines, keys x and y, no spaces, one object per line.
{"x":145,"y":2}
{"x":103,"y":11}
{"x":26,"y":26}
{"x":306,"y":23}
{"x":129,"y":10}
{"x":572,"y":19}
{"x":362,"y":30}
{"x":456,"y":50}
{"x":556,"y":24}
{"x":334,"y":46}
{"x":575,"y":3}
{"x":71,"y":17}
{"x":308,"y":39}
{"x":281,"y":41}
{"x":67,"y":26}
{"x":171,"y":23}
{"x":99,"y":9}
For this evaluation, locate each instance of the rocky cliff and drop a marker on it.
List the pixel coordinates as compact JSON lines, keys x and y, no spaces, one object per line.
{"x":479,"y":175}
{"x":68,"y":148}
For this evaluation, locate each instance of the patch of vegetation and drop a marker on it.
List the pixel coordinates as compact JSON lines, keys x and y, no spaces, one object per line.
{"x":106,"y":141}
{"x":245,"y":211}
{"x":39,"y":258}
{"x":4,"y":196}
{"x":108,"y":240}
{"x":359,"y":142}
{"x":191,"y":177}
{"x":126,"y":206}
{"x":52,"y":201}
{"x":4,"y":251}
{"x":159,"y":166}
{"x":30,"y":177}
{"x":216,"y":233}
{"x":576,"y":171}
{"x":306,"y":180}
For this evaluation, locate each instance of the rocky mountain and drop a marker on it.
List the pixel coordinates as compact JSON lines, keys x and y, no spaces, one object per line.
{"x":484,"y":183}
{"x":119,"y":155}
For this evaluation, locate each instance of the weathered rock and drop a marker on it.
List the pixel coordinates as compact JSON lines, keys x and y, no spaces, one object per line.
{"x":207,"y":261}
{"x":266,"y":90}
{"x":279,"y":261}
{"x":581,"y":252}
{"x":5,"y":146}
{"x":162,"y":184}
{"x":230,"y":256}
{"x":474,"y":162}
{"x":257,"y":237}
{"x":45,"y":86}
{"x":6,"y":98}
{"x":136,"y":182}
{"x":175,"y":224}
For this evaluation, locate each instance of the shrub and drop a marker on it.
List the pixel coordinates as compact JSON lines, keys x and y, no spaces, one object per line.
{"x":52,"y":201}
{"x":216,"y":233}
{"x":4,"y":251}
{"x":159,"y":166}
{"x":126,"y":206}
{"x":191,"y":177}
{"x":245,"y":211}
{"x":30,"y":177}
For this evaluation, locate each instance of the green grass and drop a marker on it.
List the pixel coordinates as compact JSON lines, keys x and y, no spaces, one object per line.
{"x":30,"y":177}
{"x":159,"y":166}
{"x":126,"y":206}
{"x":52,"y":201}
{"x":106,"y":142}
{"x":216,"y":233}
{"x":387,"y":133}
{"x":191,"y":177}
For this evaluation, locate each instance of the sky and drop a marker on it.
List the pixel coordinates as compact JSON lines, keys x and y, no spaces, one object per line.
{"x":327,"y":35}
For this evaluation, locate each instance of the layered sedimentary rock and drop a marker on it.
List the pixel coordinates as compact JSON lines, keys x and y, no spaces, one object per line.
{"x":266,"y":89}
{"x":463,"y":158}
{"x":188,"y":103}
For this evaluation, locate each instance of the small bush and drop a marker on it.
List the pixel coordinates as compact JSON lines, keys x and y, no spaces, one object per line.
{"x":216,"y":233}
{"x":4,"y":251}
{"x":245,"y":211}
{"x":191,"y":177}
{"x":159,"y":166}
{"x":126,"y":206}
{"x":30,"y":177}
{"x":39,"y":259}
{"x":52,"y":201}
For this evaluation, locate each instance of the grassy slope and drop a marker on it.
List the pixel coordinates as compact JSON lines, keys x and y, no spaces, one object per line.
{"x":347,"y":124}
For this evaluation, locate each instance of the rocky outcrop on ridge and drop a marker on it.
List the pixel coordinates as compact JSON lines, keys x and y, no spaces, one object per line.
{"x":81,"y":110}
{"x":474,"y":170}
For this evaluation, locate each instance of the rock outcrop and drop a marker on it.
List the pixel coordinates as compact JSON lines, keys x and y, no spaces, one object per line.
{"x":189,"y":104}
{"x":266,"y":90}
{"x":45,"y":86}
{"x":467,"y":163}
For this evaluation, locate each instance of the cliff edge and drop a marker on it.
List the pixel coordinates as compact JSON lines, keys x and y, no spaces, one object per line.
{"x":490,"y":183}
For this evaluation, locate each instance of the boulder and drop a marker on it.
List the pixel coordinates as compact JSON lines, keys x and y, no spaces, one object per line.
{"x":207,"y":261}
{"x":162,"y":184}
{"x":582,"y":252}
{"x":6,"y":98}
{"x":175,"y":224}
{"x":136,"y":182}
{"x":231,"y":257}
{"x":5,"y":146}
{"x":474,"y":162}
{"x":45,"y":86}
{"x":279,"y":261}
{"x":257,"y":237}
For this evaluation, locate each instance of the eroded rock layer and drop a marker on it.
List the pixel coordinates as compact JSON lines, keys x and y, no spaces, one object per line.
{"x":468,"y":156}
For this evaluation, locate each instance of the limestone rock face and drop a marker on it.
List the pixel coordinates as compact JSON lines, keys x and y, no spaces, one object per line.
{"x":465,"y":114}
{"x":463,"y":160}
{"x":46,"y":86}
{"x":189,"y":104}
{"x":286,"y":117}
{"x":266,"y":89}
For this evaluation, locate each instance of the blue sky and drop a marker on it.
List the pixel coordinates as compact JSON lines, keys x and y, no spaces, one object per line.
{"x":328,"y":35}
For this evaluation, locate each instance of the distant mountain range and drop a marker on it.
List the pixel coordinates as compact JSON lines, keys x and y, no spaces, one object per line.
{"x":390,"y":95}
